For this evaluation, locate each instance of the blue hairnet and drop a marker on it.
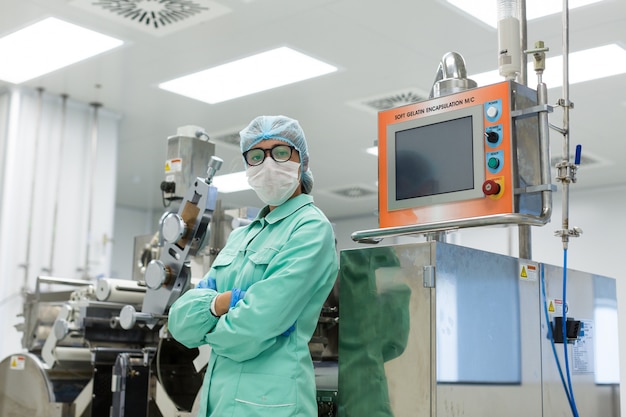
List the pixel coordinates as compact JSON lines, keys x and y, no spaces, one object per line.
{"x":280,"y":128}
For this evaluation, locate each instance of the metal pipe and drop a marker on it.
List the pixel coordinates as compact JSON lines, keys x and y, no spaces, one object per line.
{"x":55,"y":212}
{"x":92,"y":180}
{"x":566,"y":107}
{"x":523,"y":75}
{"x":524,"y":231}
{"x":33,"y":183}
{"x":376,"y":235}
{"x":54,"y":280}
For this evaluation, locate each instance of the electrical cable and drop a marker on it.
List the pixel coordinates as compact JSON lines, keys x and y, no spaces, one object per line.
{"x":165,"y":204}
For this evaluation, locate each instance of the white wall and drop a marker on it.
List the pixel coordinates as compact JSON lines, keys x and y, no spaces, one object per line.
{"x":129,"y":223}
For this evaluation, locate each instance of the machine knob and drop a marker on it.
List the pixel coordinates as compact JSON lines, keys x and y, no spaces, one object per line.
{"x":214,"y":165}
{"x":493,"y":137}
{"x":173,"y":228}
{"x":61,"y":328}
{"x":490,"y":187}
{"x":128,"y":317}
{"x":157,"y":274}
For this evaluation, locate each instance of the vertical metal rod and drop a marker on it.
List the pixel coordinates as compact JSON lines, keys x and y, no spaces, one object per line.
{"x":523,"y":75}
{"x":92,"y":182}
{"x":55,"y":213}
{"x":524,"y":231}
{"x":566,"y":107}
{"x":33,"y":184}
{"x":544,"y":138}
{"x":433,"y":352}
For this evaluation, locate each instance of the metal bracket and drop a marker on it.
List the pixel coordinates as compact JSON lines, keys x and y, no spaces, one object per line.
{"x":562,"y":103}
{"x":531,"y":111}
{"x":535,"y":189}
{"x":575,"y":232}
{"x":429,"y":276}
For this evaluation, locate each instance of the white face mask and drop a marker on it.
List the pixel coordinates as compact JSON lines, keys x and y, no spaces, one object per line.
{"x":274,"y":182}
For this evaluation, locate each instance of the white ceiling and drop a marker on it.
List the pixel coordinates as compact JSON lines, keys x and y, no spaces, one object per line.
{"x":380,"y":48}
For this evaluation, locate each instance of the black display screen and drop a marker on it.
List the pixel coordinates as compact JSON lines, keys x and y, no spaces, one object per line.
{"x":434,"y":159}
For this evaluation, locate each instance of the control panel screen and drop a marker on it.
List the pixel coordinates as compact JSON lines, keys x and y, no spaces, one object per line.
{"x":435,"y":159}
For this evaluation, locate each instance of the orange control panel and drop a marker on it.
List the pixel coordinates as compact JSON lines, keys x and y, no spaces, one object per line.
{"x":467,"y":177}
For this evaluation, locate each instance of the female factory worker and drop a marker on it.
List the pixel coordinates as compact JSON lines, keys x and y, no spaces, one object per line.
{"x":264,"y":292}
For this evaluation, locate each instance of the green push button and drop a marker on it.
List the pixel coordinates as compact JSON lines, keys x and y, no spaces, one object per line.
{"x":493,"y":163}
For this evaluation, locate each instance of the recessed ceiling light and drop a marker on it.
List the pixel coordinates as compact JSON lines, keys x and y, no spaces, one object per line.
{"x":250,"y":75}
{"x":231,"y":183}
{"x":486,"y":10}
{"x":583,"y":66}
{"x":47,"y":46}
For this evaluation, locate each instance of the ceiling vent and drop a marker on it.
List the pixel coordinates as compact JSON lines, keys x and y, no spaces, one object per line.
{"x":355,"y":192}
{"x":388,"y":101}
{"x":157,"y":17}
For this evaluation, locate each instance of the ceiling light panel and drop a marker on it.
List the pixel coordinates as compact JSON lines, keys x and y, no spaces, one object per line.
{"x":231,"y":183}
{"x":47,"y":46}
{"x":261,"y":72}
{"x":487,"y":11}
{"x":582,"y":66}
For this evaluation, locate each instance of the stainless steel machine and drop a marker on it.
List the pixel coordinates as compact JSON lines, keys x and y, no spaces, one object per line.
{"x":434,"y":329}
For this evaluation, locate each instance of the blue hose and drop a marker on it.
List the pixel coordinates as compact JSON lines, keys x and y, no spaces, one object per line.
{"x":551,"y":337}
{"x":567,"y":371}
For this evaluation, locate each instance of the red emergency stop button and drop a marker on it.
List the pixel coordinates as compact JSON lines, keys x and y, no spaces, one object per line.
{"x":490,"y":187}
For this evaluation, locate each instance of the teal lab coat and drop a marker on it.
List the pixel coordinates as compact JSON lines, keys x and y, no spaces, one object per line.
{"x":286,"y":262}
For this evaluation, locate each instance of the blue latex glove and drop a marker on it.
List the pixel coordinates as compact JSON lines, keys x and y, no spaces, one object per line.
{"x":235,"y":295}
{"x":208,"y":283}
{"x":289,"y":330}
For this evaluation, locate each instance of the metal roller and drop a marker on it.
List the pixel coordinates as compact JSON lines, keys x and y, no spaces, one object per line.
{"x":120,"y":291}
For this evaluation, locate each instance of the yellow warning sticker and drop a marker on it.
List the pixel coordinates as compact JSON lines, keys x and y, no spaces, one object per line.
{"x":173,"y":165}
{"x":528,"y":271}
{"x":18,"y":362}
{"x":555,"y":306}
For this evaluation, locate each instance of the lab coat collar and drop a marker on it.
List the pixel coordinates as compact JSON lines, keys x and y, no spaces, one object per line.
{"x":285,"y":209}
